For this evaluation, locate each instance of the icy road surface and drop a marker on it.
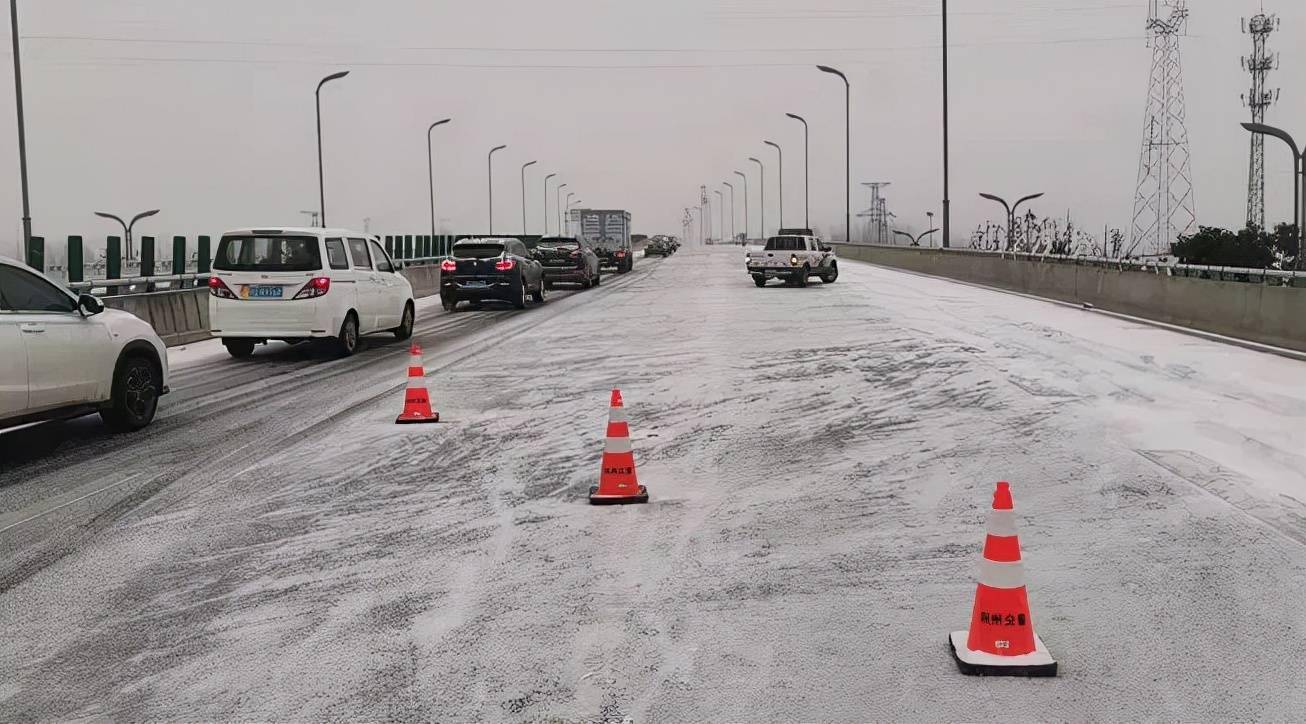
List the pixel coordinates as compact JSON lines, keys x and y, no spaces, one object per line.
{"x":820,"y":461}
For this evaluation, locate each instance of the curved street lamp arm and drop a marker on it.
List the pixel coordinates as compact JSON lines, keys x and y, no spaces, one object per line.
{"x":105,"y":215}
{"x":1278,"y":133}
{"x":1031,"y":197}
{"x":329,"y":78}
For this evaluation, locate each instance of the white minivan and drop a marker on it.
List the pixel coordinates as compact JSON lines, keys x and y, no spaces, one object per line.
{"x":295,"y":284}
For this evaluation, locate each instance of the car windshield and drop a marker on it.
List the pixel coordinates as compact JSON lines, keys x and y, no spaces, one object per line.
{"x":268,"y":254}
{"x":786,"y":243}
{"x":480,"y":250}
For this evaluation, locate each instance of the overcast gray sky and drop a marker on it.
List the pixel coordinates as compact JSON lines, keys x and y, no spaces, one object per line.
{"x":205,"y":108}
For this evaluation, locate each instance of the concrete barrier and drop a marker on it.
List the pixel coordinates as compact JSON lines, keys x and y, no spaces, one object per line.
{"x":182,"y":316}
{"x":1273,"y":315}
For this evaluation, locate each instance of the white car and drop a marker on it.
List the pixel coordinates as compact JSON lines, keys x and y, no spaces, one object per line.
{"x":297,"y":284}
{"x":63,"y":356}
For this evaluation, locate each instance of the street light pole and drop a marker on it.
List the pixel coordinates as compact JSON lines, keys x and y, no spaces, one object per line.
{"x":781,"y":176}
{"x":524,"y":166}
{"x":744,"y":176}
{"x":847,"y":150}
{"x":568,"y":208}
{"x":731,"y":186}
{"x":489,"y":164}
{"x":430,"y":170}
{"x":721,"y":214}
{"x":947,"y":202}
{"x":321,"y":177}
{"x":762,"y":196}
{"x":546,"y":203}
{"x":22,"y":131}
{"x":127,"y":226}
{"x":1011,"y":214}
{"x":807,"y":171}
{"x":561,"y":231}
{"x":1298,"y":180}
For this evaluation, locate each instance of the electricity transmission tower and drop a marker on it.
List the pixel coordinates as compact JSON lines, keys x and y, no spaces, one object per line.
{"x":1259,"y":65}
{"x":878,"y":214}
{"x":1164,"y":207}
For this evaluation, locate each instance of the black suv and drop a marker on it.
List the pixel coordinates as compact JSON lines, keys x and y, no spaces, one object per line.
{"x":568,"y":260}
{"x":485,"y":270}
{"x":616,"y":254}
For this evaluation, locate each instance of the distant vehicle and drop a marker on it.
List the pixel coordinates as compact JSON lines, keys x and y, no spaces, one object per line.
{"x":568,"y":260}
{"x":608,"y":231}
{"x":295,"y":284}
{"x":657,"y":247}
{"x":64,"y":356}
{"x":793,"y":258}
{"x":490,"y":270}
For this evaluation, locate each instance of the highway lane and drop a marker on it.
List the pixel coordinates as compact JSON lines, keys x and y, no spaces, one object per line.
{"x":61,"y":484}
{"x":819,"y":461}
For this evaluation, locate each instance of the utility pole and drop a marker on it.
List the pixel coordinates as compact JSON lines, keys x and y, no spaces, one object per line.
{"x":733,"y":235}
{"x":489,"y":165}
{"x":1258,"y":99}
{"x":761,"y":174}
{"x":523,"y":194}
{"x":546,"y":204}
{"x":947,"y":202}
{"x":744,"y":176}
{"x":781,"y":177}
{"x":807,"y":171}
{"x":721,"y":213}
{"x":321,"y":175}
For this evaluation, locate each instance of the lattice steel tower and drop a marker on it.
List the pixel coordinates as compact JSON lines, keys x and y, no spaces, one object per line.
{"x":878,"y":215}
{"x":1259,"y":64}
{"x":1164,"y":206}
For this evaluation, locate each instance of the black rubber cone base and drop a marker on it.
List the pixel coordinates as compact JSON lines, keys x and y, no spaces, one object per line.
{"x":978,"y":663}
{"x":401,"y":420}
{"x":596,"y":499}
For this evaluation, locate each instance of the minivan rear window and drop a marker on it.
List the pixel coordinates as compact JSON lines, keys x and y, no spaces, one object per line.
{"x":268,"y":254}
{"x":477,"y":251}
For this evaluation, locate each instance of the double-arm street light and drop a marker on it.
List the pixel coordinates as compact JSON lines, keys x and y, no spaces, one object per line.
{"x":744,"y":176}
{"x":847,"y":150}
{"x":761,"y":196}
{"x":321,"y":176}
{"x":1011,"y":214}
{"x":807,"y":171}
{"x":489,"y":164}
{"x":546,"y":202}
{"x":731,"y":186}
{"x":781,"y":176}
{"x":127,"y":225}
{"x":524,"y":166}
{"x":1298,"y":178}
{"x":430,"y":169}
{"x":915,"y":240}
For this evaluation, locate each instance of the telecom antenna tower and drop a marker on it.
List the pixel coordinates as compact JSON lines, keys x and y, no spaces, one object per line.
{"x":1260,"y":98}
{"x":878,"y":214}
{"x":1164,"y":207}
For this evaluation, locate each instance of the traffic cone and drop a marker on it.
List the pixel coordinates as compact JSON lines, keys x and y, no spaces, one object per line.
{"x":617,"y":483}
{"x":1001,"y":640}
{"x":417,"y":403}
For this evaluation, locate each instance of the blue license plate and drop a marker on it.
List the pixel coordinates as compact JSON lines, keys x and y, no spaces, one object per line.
{"x":475,"y":285}
{"x":262,"y":292}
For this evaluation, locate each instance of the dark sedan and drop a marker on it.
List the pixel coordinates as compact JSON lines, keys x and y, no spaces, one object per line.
{"x":568,"y":260}
{"x":490,"y":270}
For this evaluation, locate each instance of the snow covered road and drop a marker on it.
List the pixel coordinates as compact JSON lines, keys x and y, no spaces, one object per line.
{"x":820,"y":461}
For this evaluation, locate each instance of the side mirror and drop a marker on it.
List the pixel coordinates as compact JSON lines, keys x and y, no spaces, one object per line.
{"x":89,"y":306}
{"x":398,"y":265}
{"x":826,"y":247}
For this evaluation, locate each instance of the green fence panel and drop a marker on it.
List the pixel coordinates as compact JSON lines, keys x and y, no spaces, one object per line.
{"x":36,"y":253}
{"x":113,"y":258}
{"x":178,"y":255}
{"x":390,"y":245}
{"x":147,"y":256}
{"x":203,"y":255}
{"x":408,"y":247}
{"x":76,"y":265}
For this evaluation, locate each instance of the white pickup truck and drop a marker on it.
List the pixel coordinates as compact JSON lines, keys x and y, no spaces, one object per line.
{"x":793,"y":258}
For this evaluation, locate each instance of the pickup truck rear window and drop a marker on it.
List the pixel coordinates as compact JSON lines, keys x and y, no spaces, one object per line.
{"x":477,"y":251}
{"x":268,"y":254}
{"x":786,"y":243}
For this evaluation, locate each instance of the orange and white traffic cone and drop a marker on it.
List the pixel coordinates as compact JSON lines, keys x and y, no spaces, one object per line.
{"x":617,"y":482}
{"x":417,"y":402}
{"x":1001,"y":640}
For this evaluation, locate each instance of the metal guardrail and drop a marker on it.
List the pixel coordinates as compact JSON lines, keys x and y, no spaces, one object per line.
{"x":1153,"y":266}
{"x":182,"y":282}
